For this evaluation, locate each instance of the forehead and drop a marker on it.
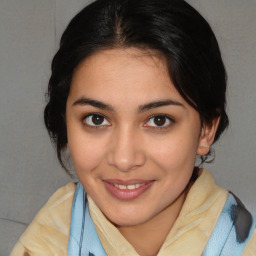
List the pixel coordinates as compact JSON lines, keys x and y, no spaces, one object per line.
{"x":124,"y":73}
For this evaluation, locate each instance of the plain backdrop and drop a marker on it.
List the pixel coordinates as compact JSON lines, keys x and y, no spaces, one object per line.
{"x":29,"y":172}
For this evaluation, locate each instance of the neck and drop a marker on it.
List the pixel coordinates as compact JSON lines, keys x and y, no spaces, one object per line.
{"x":147,"y":238}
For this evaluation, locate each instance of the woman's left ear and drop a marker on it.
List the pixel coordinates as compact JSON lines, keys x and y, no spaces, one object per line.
{"x":207,"y":136}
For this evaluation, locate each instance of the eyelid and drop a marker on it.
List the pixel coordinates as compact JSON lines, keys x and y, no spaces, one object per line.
{"x":95,"y":126}
{"x":171,"y":119}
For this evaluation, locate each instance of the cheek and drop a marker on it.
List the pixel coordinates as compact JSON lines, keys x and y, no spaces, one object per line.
{"x":175,"y":152}
{"x":86,"y":151}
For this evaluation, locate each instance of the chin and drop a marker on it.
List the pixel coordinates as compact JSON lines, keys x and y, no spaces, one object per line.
{"x":126,"y":223}
{"x":124,"y":220}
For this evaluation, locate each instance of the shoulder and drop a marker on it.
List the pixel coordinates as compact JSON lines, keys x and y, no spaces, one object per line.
{"x":48,"y":233}
{"x":250,"y":249}
{"x":243,"y":227}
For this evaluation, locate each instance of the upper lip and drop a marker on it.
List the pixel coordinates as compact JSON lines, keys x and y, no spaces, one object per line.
{"x":127,"y":182}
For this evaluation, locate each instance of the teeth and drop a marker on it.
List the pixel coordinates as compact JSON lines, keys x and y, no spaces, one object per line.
{"x":129,"y":187}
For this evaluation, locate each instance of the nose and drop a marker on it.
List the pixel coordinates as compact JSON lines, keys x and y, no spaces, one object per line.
{"x":126,"y":150}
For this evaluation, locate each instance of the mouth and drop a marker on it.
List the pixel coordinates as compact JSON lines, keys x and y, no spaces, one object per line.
{"x":127,"y":190}
{"x":129,"y":187}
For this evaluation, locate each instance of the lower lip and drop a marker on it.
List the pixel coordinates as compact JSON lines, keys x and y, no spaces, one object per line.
{"x":127,"y":194}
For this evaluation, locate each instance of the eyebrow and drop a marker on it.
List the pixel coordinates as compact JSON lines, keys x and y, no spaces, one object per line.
{"x":95,"y":103}
{"x":142,"y":108}
{"x":157,"y":104}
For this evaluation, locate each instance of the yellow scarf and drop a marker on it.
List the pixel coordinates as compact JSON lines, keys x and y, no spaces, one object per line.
{"x":48,"y":233}
{"x":191,"y":230}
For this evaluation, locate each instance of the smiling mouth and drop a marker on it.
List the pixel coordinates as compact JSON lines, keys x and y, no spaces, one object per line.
{"x":129,"y":187}
{"x":127,"y":190}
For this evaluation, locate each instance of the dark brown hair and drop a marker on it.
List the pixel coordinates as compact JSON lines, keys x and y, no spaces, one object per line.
{"x":171,"y":27}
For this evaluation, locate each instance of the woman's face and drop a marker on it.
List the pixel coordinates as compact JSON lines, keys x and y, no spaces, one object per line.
{"x":132,"y":137}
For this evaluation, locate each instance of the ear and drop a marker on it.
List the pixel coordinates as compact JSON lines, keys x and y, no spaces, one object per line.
{"x":207,"y":136}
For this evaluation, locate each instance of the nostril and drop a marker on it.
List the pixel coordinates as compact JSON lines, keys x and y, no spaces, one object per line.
{"x":126,"y":162}
{"x":125,"y":153}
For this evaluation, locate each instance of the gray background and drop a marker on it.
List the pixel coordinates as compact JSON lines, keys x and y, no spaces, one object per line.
{"x":29,"y":172}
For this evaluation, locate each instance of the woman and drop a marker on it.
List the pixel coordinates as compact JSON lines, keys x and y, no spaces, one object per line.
{"x":137,"y":92}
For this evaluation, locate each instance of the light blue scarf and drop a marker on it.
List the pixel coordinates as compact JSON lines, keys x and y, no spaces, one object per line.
{"x":232,"y":231}
{"x":83,"y":241}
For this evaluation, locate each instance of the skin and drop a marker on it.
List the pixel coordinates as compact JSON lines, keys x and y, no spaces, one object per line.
{"x":126,"y":143}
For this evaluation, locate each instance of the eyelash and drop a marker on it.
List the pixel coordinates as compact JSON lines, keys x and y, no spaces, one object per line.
{"x":167,"y":118}
{"x":94,"y":126}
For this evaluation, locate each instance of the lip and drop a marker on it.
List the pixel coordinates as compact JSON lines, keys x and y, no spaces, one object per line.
{"x":127,"y":194}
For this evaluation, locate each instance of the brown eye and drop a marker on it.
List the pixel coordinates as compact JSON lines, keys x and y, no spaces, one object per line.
{"x":96,"y":120}
{"x":159,"y":121}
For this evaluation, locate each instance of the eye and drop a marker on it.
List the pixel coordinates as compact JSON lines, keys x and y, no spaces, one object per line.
{"x":159,"y":121}
{"x":95,"y":120}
